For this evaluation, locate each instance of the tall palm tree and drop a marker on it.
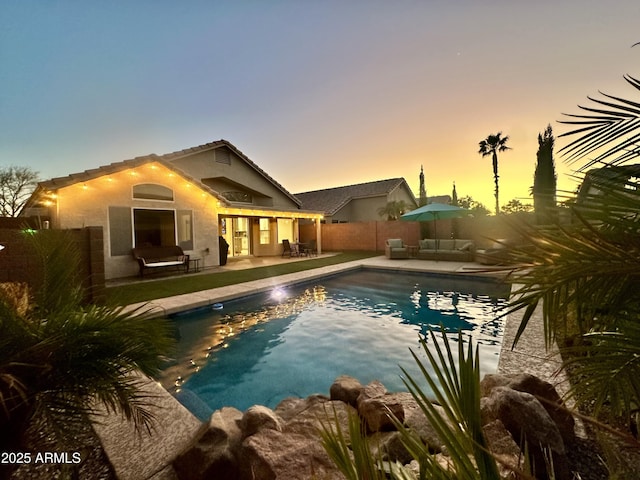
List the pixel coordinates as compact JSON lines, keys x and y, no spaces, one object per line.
{"x":491,"y":145}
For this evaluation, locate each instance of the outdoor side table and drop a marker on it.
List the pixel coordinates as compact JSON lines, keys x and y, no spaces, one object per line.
{"x":412,"y":250}
{"x":194,"y":263}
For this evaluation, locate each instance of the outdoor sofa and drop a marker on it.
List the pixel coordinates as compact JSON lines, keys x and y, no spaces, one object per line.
{"x":155,"y":257}
{"x":503,"y":252}
{"x":395,"y":248}
{"x":452,"y":250}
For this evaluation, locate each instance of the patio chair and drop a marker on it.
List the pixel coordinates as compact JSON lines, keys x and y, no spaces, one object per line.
{"x":312,"y":248}
{"x":395,"y":248}
{"x":288,"y":249}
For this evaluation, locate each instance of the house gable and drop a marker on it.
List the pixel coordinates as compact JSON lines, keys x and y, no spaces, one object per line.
{"x":227,"y":170}
{"x":360,"y":202}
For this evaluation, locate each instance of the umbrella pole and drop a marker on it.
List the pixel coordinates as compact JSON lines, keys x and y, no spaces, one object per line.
{"x":435,"y":231}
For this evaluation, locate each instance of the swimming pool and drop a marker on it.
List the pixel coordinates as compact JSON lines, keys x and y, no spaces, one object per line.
{"x":295,"y":341}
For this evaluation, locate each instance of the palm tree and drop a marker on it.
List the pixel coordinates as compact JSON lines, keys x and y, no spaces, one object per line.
{"x":60,"y":360}
{"x":393,"y":210}
{"x":587,"y":274}
{"x":491,"y":146}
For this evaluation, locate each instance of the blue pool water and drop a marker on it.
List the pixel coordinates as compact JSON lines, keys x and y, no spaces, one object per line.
{"x":295,"y":341}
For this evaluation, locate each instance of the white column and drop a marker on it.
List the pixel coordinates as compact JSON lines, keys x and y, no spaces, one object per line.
{"x":319,"y":235}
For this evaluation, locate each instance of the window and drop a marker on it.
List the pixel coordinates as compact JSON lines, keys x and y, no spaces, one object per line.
{"x":152,"y":191}
{"x":265,"y":234}
{"x":185,"y":229}
{"x":154,"y":227}
{"x":285,"y":229}
{"x":237,"y":196}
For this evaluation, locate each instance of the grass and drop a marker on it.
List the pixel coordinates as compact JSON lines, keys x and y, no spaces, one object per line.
{"x":145,"y":291}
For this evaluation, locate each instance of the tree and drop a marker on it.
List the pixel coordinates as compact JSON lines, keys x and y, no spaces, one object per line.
{"x":60,"y":359}
{"x":393,"y":210}
{"x":16,"y":185}
{"x":491,"y":146}
{"x":477,"y":208}
{"x":514,"y":206}
{"x":423,"y":191}
{"x":544,"y":179}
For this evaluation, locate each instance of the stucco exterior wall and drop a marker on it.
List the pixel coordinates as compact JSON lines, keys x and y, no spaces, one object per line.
{"x":87,"y":204}
{"x":204,"y":166}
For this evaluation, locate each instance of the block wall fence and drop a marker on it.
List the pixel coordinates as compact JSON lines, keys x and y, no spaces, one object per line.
{"x":371,"y":236}
{"x":18,"y":263}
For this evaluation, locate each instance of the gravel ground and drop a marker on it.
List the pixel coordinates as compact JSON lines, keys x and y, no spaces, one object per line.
{"x":93,"y":465}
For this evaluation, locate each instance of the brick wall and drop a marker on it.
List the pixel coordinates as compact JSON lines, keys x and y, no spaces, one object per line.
{"x":368,"y":236}
{"x":19,"y":264}
{"x":371,"y":236}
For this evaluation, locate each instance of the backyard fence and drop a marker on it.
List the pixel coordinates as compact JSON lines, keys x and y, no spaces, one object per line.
{"x":371,"y":236}
{"x":19,"y":263}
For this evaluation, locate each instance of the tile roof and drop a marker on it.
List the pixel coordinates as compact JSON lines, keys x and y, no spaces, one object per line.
{"x":330,"y":200}
{"x":61,"y":182}
{"x":166,"y":160}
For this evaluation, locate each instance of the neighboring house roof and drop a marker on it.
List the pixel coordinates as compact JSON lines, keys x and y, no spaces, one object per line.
{"x":61,"y":182}
{"x":224,"y":143}
{"x":606,"y":178}
{"x":331,"y":200}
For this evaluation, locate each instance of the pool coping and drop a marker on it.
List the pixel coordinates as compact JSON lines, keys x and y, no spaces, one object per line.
{"x":151,"y":455}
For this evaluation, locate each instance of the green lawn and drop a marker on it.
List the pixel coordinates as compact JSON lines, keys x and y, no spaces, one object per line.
{"x":144,"y":291}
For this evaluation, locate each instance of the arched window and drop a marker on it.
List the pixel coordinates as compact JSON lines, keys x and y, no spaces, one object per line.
{"x":152,"y":191}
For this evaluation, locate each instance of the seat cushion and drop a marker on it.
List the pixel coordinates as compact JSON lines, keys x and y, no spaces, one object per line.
{"x":427,"y":244}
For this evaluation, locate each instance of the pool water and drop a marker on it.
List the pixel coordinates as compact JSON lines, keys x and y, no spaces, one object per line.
{"x":295,"y":341}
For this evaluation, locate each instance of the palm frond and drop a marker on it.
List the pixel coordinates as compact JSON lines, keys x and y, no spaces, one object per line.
{"x":605,"y":134}
{"x":457,"y":390}
{"x":609,"y":369}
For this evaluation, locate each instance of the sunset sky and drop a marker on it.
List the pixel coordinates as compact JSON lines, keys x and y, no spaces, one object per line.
{"x":317,"y":93}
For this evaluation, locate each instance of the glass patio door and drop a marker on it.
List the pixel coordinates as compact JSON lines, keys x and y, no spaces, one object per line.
{"x":237,"y":234}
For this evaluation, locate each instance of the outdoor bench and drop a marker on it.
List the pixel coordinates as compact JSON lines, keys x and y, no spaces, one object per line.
{"x":160,"y":257}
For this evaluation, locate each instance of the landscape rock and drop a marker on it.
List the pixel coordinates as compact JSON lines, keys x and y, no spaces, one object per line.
{"x":544,"y":391}
{"x":213,"y":452}
{"x":259,"y":417}
{"x":377,"y":408}
{"x":286,"y":443}
{"x":271,"y":454}
{"x":503,"y":447}
{"x":346,"y":389}
{"x":525,"y":418}
{"x":415,"y":420}
{"x":292,"y":406}
{"x":389,"y":447}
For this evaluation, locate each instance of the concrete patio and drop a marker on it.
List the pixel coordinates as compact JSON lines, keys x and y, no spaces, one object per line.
{"x":137,"y":456}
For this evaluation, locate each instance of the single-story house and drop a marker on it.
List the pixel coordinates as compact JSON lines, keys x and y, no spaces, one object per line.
{"x":187,"y":198}
{"x":358,"y":203}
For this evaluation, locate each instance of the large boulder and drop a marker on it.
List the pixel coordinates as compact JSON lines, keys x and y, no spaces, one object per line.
{"x":377,"y":408}
{"x":270,"y":455}
{"x":526,"y":419}
{"x":259,"y":417}
{"x":213,"y":452}
{"x":542,"y":390}
{"x":346,"y":389}
{"x":295,"y":451}
{"x":503,"y":447}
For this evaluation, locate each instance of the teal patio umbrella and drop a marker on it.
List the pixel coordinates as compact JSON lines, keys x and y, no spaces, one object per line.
{"x":433,"y":212}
